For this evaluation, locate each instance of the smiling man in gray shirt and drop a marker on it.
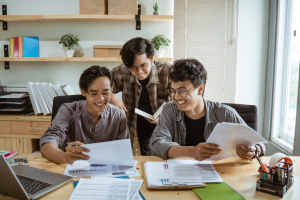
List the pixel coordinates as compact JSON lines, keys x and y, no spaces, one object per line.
{"x":186,"y":122}
{"x":84,"y":122}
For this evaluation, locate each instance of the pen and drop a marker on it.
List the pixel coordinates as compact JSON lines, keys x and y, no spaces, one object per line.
{"x":68,"y":143}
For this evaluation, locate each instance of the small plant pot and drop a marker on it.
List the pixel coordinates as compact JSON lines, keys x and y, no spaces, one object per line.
{"x":159,"y":53}
{"x":69,"y":53}
{"x":156,"y":13}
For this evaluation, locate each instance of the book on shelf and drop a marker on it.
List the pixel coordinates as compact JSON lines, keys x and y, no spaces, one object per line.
{"x":20,"y":47}
{"x":45,"y":96}
{"x":68,"y":90}
{"x":31,"y":47}
{"x":152,"y":117}
{"x":11,"y":45}
{"x":58,"y":90}
{"x":34,"y":101}
{"x":16,"y":47}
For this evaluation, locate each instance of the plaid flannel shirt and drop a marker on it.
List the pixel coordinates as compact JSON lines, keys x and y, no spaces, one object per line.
{"x":128,"y":84}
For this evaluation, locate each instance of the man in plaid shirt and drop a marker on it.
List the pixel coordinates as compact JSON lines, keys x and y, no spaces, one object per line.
{"x":143,"y":82}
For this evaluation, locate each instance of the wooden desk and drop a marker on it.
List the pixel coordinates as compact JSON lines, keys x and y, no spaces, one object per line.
{"x":242,"y":175}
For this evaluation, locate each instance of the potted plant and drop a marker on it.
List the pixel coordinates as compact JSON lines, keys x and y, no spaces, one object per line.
{"x":68,"y":41}
{"x":160,"y":42}
{"x":155,"y":7}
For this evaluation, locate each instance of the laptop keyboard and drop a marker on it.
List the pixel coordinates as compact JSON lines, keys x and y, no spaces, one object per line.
{"x":32,"y":186}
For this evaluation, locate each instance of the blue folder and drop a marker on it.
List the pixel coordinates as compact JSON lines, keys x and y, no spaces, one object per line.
{"x":124,"y":177}
{"x":31,"y":47}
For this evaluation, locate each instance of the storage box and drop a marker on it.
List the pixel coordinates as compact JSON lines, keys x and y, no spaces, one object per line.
{"x":107,"y":50}
{"x":122,"y":7}
{"x":93,"y":7}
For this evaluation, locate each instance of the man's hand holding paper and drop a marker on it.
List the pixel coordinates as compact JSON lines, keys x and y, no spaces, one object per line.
{"x":74,"y":152}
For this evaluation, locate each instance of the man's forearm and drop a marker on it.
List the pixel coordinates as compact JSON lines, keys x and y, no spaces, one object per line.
{"x":180,"y":152}
{"x":54,"y":154}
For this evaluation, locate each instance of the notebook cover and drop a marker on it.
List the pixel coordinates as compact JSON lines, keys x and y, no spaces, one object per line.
{"x":11,"y":41}
{"x":217,"y":191}
{"x":20,"y":46}
{"x":11,"y":154}
{"x":16,"y":47}
{"x":30,"y":46}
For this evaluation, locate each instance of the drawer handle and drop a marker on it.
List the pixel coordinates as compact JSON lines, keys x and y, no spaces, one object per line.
{"x":36,"y":129}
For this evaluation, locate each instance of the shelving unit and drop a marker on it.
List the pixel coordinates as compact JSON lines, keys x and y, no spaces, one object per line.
{"x":73,"y":59}
{"x":84,"y":18}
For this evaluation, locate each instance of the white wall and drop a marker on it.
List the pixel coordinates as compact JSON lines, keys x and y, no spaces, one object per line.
{"x":90,"y":33}
{"x":252,"y":54}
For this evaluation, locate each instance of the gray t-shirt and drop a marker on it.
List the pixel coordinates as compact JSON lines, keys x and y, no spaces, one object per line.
{"x":73,"y":122}
{"x":171,"y":128}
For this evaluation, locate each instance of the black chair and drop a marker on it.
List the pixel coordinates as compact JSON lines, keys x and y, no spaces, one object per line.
{"x":59,"y":100}
{"x":247,"y":112}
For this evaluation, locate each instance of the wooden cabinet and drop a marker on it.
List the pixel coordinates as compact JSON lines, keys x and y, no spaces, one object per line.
{"x":22,"y":134}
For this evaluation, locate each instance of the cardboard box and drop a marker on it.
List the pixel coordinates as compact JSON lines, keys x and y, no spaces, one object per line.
{"x":107,"y":50}
{"x":122,"y":7}
{"x":93,"y":7}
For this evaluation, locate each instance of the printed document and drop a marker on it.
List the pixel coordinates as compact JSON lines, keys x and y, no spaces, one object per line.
{"x":152,"y":117}
{"x":229,"y":135}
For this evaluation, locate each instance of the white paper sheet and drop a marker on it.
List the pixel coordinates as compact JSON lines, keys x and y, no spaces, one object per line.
{"x":229,"y":135}
{"x":14,"y":96}
{"x":106,"y":189}
{"x":181,"y":171}
{"x":119,"y":149}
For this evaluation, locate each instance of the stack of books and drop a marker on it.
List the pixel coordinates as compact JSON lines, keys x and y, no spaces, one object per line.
{"x":42,"y":95}
{"x":24,"y":47}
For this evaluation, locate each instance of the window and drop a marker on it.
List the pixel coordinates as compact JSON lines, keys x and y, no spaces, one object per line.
{"x":287,"y":74}
{"x":207,"y":31}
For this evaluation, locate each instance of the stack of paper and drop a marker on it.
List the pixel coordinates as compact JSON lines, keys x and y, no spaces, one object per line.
{"x":113,"y":158}
{"x":180,"y":172}
{"x":107,"y":188}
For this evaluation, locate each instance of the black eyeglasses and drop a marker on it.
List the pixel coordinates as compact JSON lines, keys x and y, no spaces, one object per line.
{"x":181,"y":92}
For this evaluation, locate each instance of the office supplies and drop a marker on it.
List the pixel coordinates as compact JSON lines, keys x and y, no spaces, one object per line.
{"x":11,"y":154}
{"x":68,"y":90}
{"x":4,"y":152}
{"x":40,"y":99}
{"x":35,"y":104}
{"x":13,"y":109}
{"x":14,"y":96}
{"x":20,"y":46}
{"x":68,"y":143}
{"x":30,"y":46}
{"x":11,"y":44}
{"x":17,"y":161}
{"x":152,"y":117}
{"x":157,"y":177}
{"x":182,"y":171}
{"x":45,"y":96}
{"x":58,"y":90}
{"x":229,"y":135}
{"x":16,"y":47}
{"x":277,"y":157}
{"x":222,"y":191}
{"x":27,"y":182}
{"x":50,"y":90}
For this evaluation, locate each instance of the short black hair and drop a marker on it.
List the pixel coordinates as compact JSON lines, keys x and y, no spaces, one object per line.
{"x":91,"y":74}
{"x":188,"y":69}
{"x":135,"y":47}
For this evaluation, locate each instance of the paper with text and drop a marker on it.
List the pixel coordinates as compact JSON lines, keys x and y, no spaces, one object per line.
{"x":152,"y":117}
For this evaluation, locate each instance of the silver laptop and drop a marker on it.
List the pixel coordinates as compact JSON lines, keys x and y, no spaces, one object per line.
{"x":24,"y":182}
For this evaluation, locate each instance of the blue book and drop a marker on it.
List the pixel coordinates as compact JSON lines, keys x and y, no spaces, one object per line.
{"x":31,"y":47}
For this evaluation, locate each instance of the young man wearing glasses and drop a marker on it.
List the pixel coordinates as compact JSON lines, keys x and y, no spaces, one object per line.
{"x":187,"y":121}
{"x":90,"y":121}
{"x":143,"y":82}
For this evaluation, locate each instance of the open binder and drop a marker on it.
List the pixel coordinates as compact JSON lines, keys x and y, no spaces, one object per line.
{"x":168,"y":187}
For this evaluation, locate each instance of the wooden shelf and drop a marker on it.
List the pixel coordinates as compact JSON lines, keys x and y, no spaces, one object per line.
{"x":83,"y":18}
{"x":75,"y":59}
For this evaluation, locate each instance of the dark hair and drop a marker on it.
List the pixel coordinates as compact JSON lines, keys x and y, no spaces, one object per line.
{"x":135,"y":47}
{"x":188,"y":69}
{"x":91,"y":74}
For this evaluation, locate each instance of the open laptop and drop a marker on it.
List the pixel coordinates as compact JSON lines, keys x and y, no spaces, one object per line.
{"x":24,"y":182}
